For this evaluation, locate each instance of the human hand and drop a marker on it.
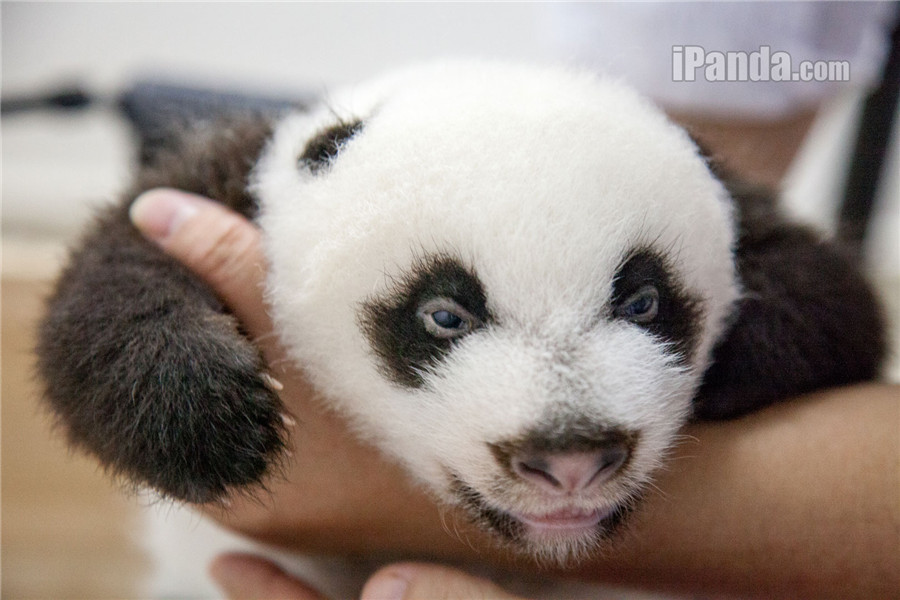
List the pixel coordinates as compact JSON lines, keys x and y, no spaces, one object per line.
{"x":243,"y":576}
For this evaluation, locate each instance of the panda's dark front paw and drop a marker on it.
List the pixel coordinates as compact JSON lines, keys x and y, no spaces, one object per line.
{"x":180,"y":404}
{"x":214,"y":422}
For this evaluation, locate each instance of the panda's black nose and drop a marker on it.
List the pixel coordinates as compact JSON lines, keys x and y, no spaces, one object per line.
{"x":566,"y":462}
{"x":573,"y":471}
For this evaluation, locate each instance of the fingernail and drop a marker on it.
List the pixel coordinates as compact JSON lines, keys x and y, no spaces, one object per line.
{"x":386,"y":586}
{"x":159,"y":213}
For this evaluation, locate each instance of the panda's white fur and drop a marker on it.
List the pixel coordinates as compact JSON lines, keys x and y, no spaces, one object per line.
{"x":540,"y":181}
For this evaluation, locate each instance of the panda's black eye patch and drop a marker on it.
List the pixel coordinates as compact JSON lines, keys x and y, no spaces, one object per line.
{"x":325,"y":145}
{"x":647,"y":294}
{"x":438,"y":302}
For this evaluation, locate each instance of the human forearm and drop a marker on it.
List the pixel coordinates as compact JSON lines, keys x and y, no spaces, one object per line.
{"x":800,"y":500}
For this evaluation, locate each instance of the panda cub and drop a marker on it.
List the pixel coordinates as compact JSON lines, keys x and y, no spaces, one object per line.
{"x":518,"y":282}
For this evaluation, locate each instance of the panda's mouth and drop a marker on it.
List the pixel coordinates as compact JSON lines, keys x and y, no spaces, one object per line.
{"x":562,"y":531}
{"x":573,"y":520}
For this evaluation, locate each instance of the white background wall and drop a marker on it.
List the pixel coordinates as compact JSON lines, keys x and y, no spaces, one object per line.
{"x":268,"y":44}
{"x":56,"y":166}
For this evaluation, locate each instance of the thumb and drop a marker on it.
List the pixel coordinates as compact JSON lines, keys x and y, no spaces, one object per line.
{"x":241,"y":576}
{"x":410,"y":581}
{"x":217,"y":244}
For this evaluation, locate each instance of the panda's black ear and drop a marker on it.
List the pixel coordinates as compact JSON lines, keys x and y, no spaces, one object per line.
{"x":325,"y":145}
{"x":807,"y":318}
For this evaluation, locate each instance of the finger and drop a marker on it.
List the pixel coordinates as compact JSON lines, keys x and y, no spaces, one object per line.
{"x":242,"y":576}
{"x":214,"y":242}
{"x":410,"y":581}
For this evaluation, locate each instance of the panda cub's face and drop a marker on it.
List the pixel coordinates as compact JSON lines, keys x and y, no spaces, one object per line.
{"x":508,"y":278}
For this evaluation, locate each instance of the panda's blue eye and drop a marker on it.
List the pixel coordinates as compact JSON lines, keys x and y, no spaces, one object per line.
{"x":641,"y":307}
{"x":445,"y":318}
